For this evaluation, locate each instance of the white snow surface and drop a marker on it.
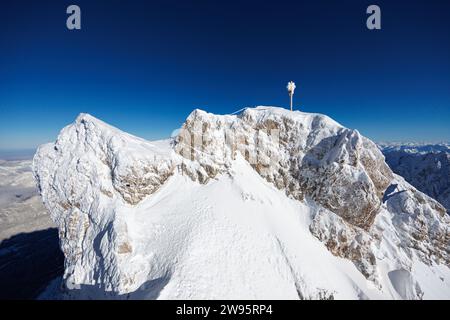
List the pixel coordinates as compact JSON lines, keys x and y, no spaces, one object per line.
{"x":134,"y":225}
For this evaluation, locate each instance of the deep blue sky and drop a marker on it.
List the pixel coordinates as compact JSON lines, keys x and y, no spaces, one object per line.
{"x":144,"y":65}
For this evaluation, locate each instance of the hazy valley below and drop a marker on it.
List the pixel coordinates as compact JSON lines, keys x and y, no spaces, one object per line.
{"x":29,"y":247}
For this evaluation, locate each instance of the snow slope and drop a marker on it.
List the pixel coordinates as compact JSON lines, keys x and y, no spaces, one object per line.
{"x":267,"y":204}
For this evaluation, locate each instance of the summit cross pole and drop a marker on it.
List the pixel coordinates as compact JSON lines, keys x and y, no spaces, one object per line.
{"x":291,"y":88}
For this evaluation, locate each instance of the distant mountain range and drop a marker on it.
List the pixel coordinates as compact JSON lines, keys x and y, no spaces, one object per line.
{"x":425,"y":166}
{"x":415,"y":147}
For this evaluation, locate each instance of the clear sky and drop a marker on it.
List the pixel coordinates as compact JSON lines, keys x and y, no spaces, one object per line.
{"x":144,"y":65}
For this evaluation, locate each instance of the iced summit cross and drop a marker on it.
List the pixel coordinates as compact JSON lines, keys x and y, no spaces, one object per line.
{"x":291,"y":88}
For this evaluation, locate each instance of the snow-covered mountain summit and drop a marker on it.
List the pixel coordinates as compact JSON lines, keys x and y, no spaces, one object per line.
{"x":268,"y":203}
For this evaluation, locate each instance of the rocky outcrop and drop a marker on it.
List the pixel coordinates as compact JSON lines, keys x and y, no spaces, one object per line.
{"x":422,"y":223}
{"x":307,"y":155}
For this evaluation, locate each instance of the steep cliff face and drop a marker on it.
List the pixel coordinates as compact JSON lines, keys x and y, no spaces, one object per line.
{"x":235,"y":198}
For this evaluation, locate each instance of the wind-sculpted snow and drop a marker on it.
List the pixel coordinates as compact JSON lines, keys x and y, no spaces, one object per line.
{"x":265,"y":204}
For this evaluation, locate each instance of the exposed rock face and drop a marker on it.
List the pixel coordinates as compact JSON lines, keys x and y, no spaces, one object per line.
{"x":303,"y":154}
{"x":135,"y":216}
{"x":345,"y":241}
{"x":422,"y":223}
{"x":410,"y":220}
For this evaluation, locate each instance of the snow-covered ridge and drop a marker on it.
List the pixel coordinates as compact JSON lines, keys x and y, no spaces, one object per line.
{"x":266,"y":194}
